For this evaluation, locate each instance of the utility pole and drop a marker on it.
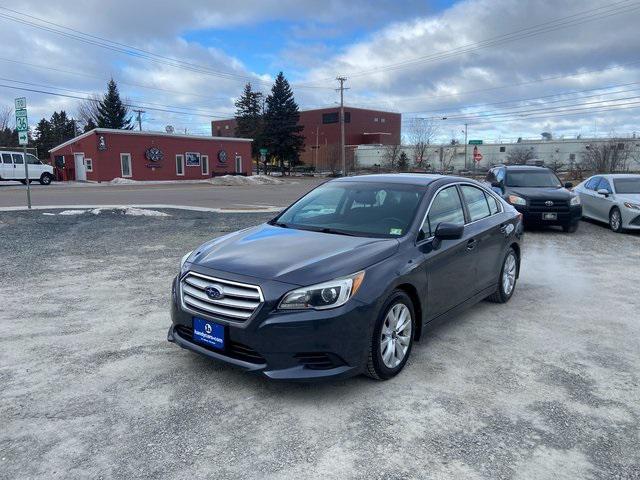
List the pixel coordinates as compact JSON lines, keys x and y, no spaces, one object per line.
{"x":342,"y":155}
{"x":315,"y":153}
{"x":466,"y":125}
{"x":139,"y":112}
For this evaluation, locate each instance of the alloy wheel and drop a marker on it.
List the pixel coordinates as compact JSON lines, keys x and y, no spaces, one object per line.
{"x":509,"y":274}
{"x":395,"y":337}
{"x":615,"y":220}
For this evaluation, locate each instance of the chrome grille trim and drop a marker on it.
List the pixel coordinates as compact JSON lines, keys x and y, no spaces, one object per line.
{"x":239,"y":303}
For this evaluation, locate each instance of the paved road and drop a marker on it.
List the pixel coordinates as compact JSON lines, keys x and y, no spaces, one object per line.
{"x":544,"y":387}
{"x":200,"y":195}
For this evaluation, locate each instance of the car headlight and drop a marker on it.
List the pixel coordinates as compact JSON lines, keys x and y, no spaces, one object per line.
{"x":632,"y":206}
{"x":575,"y":200}
{"x":516,"y":200}
{"x":322,"y":296}
{"x":184,"y":260}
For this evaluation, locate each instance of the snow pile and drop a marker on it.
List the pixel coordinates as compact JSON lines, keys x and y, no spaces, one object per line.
{"x":143,"y":212}
{"x":238,"y":180}
{"x":122,"y":181}
{"x":72,"y":212}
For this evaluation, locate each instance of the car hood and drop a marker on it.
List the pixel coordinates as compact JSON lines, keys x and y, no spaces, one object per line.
{"x":544,"y":193}
{"x":299,"y":257}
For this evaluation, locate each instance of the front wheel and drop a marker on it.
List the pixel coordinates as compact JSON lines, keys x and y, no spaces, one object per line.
{"x":615,"y":220}
{"x":508,"y":278}
{"x":45,"y":179}
{"x":392,"y":337}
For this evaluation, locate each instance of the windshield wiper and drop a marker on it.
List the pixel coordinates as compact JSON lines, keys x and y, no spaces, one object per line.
{"x":337,"y":232}
{"x":279,"y":224}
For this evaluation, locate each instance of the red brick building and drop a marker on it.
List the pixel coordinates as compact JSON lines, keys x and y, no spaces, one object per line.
{"x":322,"y":131}
{"x":104,"y":154}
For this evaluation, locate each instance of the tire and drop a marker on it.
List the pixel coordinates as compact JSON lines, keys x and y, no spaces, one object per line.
{"x":45,"y":179}
{"x":384,"y":363}
{"x":615,"y":220}
{"x":571,"y":228}
{"x":504,"y":292}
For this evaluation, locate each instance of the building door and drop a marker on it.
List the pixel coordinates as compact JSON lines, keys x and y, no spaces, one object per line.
{"x":238,"y":164}
{"x":81,"y":173}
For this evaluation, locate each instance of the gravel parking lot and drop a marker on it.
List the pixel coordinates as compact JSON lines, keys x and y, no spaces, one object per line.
{"x":546,"y":386}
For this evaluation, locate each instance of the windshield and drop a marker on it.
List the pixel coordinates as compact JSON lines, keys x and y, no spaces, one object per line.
{"x":532,"y":179}
{"x":355,"y":208}
{"x":627,"y":185}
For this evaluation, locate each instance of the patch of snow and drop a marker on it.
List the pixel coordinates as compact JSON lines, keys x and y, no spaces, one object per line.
{"x":72,"y":212}
{"x":96,"y":211}
{"x":238,"y":180}
{"x":143,"y":212}
{"x":49,"y":214}
{"x":123,"y":181}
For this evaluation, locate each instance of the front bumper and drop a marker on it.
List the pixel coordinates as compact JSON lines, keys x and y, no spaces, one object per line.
{"x":293,"y":345}
{"x":564,"y":217}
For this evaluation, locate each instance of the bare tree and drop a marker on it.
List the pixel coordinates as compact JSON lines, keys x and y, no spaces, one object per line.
{"x":391,"y":156}
{"x":6,"y":115}
{"x":520,"y":155}
{"x":421,"y":133}
{"x":88,"y":110}
{"x":608,"y":157}
{"x":447,"y":157}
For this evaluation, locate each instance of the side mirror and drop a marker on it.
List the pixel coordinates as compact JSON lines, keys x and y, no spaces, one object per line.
{"x":568,"y":185}
{"x":497,"y":184}
{"x":449,"y":231}
{"x":604,"y":192}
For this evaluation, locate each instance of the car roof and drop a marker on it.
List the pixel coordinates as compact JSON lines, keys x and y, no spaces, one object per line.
{"x":403,"y":178}
{"x":532,"y":168}
{"x":617,"y":175}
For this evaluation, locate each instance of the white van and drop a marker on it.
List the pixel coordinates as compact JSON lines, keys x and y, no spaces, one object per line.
{"x":12,"y":168}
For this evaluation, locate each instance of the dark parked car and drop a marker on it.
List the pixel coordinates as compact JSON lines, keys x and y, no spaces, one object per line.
{"x":538,"y":194}
{"x":348,"y":277}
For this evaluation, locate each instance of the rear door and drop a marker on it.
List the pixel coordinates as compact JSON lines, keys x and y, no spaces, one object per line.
{"x":6,"y":167}
{"x":486,"y":226}
{"x":449,"y":281}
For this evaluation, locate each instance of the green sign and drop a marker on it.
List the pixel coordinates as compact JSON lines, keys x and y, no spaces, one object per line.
{"x":263,"y":151}
{"x":22,"y":123}
{"x":475,"y":142}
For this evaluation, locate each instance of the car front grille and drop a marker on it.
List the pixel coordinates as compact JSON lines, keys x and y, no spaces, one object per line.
{"x":232,"y":349}
{"x":559,"y":206}
{"x":237,"y":301}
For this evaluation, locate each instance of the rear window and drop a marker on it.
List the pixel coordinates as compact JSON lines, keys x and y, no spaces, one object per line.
{"x":627,"y":185}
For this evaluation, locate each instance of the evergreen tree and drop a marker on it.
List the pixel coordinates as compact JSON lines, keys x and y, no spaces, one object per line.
{"x":403,"y":162}
{"x":90,"y":125}
{"x":112,"y":112}
{"x":282,"y":134}
{"x":249,"y":118}
{"x":57,"y":130}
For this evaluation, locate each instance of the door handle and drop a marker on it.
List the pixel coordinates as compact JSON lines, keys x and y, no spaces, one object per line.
{"x":471,"y":244}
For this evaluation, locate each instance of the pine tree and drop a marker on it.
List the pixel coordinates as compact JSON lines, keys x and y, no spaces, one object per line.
{"x":112,"y":112}
{"x":90,"y":125}
{"x":403,"y":162}
{"x":249,"y":117}
{"x":282,"y":134}
{"x":57,"y":130}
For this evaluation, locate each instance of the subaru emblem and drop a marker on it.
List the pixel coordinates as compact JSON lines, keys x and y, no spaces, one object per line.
{"x":549,"y":203}
{"x":214,"y":292}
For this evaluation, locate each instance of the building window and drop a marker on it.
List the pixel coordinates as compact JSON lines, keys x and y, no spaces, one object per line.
{"x":125,"y":164}
{"x":180,"y":164}
{"x":572,"y":157}
{"x":621,"y":146}
{"x":226,"y":127}
{"x":382,"y":120}
{"x":375,"y":119}
{"x":204,"y":163}
{"x":347,"y":117}
{"x":330,"y":118}
{"x":503,"y":149}
{"x":88,"y":164}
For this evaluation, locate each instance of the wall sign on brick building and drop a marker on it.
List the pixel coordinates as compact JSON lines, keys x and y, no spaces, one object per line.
{"x":222,"y":156}
{"x":154,"y":154}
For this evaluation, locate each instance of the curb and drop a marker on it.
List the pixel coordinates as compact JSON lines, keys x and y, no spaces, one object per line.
{"x":267,"y":209}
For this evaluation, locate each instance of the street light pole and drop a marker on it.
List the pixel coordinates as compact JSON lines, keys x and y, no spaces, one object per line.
{"x":342,"y":155}
{"x":465,"y":145}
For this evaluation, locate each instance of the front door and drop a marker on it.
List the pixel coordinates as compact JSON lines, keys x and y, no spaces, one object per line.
{"x":238,"y":164}
{"x":81,"y":172}
{"x":449,"y":281}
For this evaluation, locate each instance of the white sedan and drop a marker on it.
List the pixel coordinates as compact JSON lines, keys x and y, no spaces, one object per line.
{"x":612,"y":198}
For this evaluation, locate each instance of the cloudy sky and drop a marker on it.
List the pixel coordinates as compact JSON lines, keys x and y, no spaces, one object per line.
{"x":508,"y":68}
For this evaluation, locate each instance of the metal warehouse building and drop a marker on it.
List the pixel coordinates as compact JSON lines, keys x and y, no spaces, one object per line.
{"x":103,"y":154}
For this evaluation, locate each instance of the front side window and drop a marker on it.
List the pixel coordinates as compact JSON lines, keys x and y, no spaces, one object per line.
{"x":476,"y":202}
{"x":500,"y":174}
{"x":17,"y":158}
{"x":592,"y":183}
{"x":627,"y":185}
{"x":604,"y":185}
{"x":33,"y":160}
{"x":446,"y":208}
{"x":356,"y":208}
{"x":533,"y":179}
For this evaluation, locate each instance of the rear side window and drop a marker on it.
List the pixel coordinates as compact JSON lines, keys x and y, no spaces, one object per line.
{"x":476,"y":202}
{"x":604,"y":185}
{"x":6,"y":158}
{"x":446,"y":207}
{"x":493,"y":204}
{"x":17,"y":158}
{"x":591,"y":183}
{"x":500,"y":174}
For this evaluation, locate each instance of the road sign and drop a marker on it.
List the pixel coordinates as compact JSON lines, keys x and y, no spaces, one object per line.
{"x":23,"y":138}
{"x":21,"y":103}
{"x":263,"y":151}
{"x":477,"y":156}
{"x":22,"y":125}
{"x":475,"y":142}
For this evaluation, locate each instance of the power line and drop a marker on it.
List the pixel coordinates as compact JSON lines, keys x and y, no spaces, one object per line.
{"x":131,"y":50}
{"x":615,"y":8}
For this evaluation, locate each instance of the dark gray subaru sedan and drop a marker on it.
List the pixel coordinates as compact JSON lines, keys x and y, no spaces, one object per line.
{"x":346,"y":279}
